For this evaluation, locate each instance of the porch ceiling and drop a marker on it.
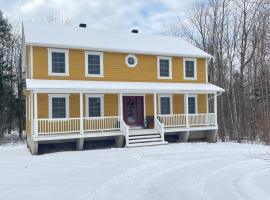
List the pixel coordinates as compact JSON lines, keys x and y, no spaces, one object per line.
{"x":74,"y":86}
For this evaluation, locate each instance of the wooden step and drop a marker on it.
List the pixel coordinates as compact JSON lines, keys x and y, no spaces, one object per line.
{"x":145,"y":140}
{"x":146,"y":144}
{"x":134,"y":137}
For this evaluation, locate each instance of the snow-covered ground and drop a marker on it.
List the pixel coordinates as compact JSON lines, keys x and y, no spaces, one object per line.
{"x":196,"y":171}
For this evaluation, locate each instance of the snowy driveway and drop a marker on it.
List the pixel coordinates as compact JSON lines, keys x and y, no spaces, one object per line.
{"x":176,"y":171}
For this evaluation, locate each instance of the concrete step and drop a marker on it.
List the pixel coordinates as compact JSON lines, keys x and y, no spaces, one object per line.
{"x":145,"y":140}
{"x":146,"y":144}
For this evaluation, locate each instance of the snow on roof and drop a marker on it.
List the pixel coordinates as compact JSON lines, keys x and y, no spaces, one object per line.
{"x":116,"y":87}
{"x":70,"y":36}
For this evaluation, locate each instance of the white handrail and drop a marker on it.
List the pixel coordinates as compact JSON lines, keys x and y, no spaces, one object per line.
{"x":159,"y":127}
{"x":125,"y":130}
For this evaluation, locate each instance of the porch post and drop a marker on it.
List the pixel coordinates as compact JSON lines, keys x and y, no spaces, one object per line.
{"x":155,"y":105}
{"x":120,"y":100}
{"x":35,"y":115}
{"x":186,"y":109}
{"x":215,"y":107}
{"x":81,"y":113}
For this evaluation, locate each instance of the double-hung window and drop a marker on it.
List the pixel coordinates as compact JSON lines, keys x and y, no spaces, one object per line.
{"x":94,"y":105}
{"x":93,"y":64}
{"x":192,"y":104}
{"x":58,"y":62}
{"x":58,"y":106}
{"x":190,"y":69}
{"x":164,"y":67}
{"x":165,"y":104}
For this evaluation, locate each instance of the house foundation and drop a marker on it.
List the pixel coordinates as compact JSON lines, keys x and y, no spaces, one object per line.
{"x":119,"y":141}
{"x":79,"y":144}
{"x":211,"y":136}
{"x":183,"y":136}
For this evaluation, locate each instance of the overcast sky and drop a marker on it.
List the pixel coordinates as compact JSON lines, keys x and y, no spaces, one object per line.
{"x":150,"y":16}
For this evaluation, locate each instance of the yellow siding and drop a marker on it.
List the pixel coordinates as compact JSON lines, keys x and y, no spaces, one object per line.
{"x":111,"y":105}
{"x":115,"y":68}
{"x":178,"y":104}
{"x":202,"y":103}
{"x":149,"y":105}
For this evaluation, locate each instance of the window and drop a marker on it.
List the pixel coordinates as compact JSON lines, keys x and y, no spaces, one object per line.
{"x":131,"y":60}
{"x":192,"y":104}
{"x":190,"y":69}
{"x":58,"y":106}
{"x":58,"y":62}
{"x":94,"y":107}
{"x":94,"y":64}
{"x":165,"y":104}
{"x":164,"y":67}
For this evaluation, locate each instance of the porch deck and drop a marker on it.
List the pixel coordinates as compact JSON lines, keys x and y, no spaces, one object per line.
{"x":69,"y":128}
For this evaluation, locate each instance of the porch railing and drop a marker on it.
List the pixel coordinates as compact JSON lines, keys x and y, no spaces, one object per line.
{"x":58,"y":125}
{"x":101,"y":123}
{"x":202,"y":119}
{"x":180,"y":120}
{"x":172,"y":120}
{"x":159,"y":127}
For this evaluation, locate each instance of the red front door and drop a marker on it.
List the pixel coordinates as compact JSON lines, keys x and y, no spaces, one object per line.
{"x":133,"y":110}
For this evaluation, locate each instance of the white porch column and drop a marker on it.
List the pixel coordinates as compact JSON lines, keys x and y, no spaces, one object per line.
{"x":120,"y":104}
{"x":81,"y":113}
{"x":186,"y":109}
{"x":215,"y":107}
{"x":155,"y":105}
{"x":35,"y":115}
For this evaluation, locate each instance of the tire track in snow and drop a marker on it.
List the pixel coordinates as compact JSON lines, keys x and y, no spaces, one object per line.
{"x":241,"y":194}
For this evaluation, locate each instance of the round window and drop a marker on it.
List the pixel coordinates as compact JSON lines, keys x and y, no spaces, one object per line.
{"x":131,"y":60}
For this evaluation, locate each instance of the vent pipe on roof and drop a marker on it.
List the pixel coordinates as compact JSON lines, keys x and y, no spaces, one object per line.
{"x":82,"y":25}
{"x":134,"y":31}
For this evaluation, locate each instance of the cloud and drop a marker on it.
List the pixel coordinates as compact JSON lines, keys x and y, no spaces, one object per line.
{"x":151,"y":16}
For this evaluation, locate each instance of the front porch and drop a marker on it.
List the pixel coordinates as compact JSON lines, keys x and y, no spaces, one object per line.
{"x":140,"y":117}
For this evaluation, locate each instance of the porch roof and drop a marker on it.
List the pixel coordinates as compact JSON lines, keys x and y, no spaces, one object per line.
{"x":75,"y":86}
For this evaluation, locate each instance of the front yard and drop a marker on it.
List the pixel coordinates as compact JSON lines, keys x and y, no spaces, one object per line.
{"x":176,"y":171}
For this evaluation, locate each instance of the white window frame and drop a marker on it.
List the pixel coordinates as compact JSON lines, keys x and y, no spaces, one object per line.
{"x":170,"y":66}
{"x":195,"y":68}
{"x":101,"y":96}
{"x":51,"y":96}
{"x":171,"y":103}
{"x":135,"y":59}
{"x":50,"y":51}
{"x":196,"y":102}
{"x":100,"y":54}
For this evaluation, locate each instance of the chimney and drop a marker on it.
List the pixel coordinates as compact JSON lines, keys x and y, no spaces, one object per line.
{"x":82,"y":25}
{"x":134,"y":31}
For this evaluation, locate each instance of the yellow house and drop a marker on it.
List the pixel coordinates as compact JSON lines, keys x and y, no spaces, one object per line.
{"x":85,"y":84}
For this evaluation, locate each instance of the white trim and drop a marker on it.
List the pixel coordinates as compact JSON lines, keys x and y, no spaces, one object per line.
{"x":81,"y":47}
{"x":50,"y":51}
{"x":35,"y":132}
{"x":170,"y":67}
{"x":100,"y":54}
{"x":207,"y":103}
{"x":171,"y":102}
{"x":29,"y":108}
{"x":101,"y":96}
{"x":66,"y":96}
{"x":31,"y":61}
{"x":195,"y":68}
{"x":196,"y":102}
{"x":135,"y":59}
{"x":206,"y":69}
{"x":144,"y":104}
